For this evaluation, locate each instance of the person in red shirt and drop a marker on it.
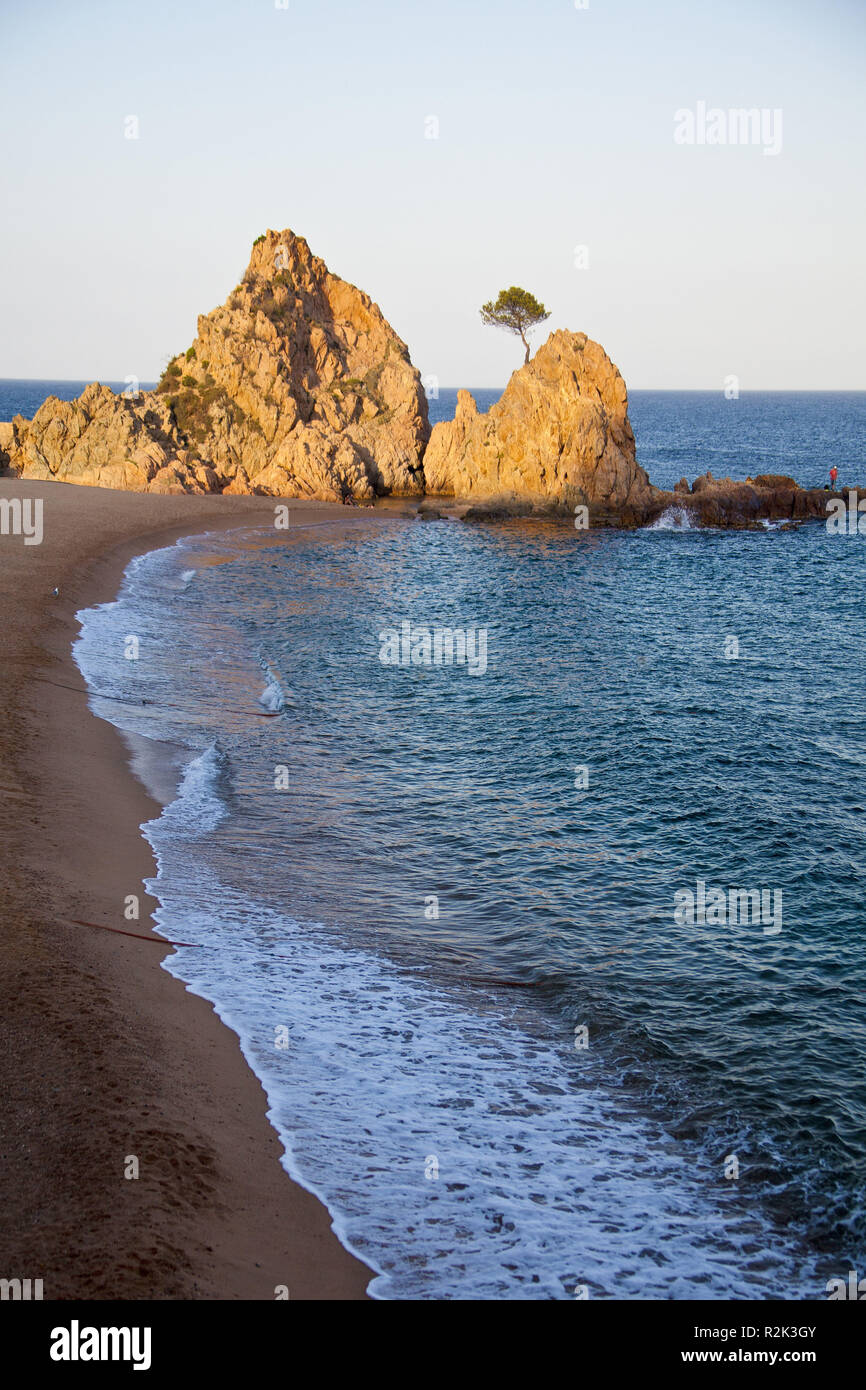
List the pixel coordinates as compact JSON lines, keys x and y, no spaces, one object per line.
{"x":834,"y":473}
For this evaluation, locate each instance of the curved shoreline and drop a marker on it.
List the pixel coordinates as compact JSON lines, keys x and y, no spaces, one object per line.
{"x":95,"y":1029}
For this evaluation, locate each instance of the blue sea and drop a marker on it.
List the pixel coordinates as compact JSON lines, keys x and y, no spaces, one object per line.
{"x":443,"y":906}
{"x":23,"y":396}
{"x":679,"y":433}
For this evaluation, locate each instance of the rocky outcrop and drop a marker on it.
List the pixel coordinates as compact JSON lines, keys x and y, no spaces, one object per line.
{"x":104,"y":440}
{"x":7,"y":434}
{"x":296,"y":387}
{"x":559,"y":436}
{"x":733,"y":504}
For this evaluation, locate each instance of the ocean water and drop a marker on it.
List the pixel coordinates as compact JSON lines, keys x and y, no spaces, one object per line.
{"x":678,"y":432}
{"x":800,"y":433}
{"x":23,"y":396}
{"x":439,"y":908}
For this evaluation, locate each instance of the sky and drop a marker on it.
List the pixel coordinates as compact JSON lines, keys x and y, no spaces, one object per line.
{"x":433,"y":153}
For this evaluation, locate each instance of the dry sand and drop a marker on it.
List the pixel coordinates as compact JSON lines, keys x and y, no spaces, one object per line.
{"x":104,"y":1053}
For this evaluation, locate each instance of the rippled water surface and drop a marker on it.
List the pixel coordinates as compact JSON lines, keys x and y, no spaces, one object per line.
{"x":415,"y":918}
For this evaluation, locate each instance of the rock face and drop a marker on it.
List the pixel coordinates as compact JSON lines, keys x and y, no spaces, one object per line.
{"x":104,"y":440}
{"x":296,"y":387}
{"x":733,"y":504}
{"x":558,"y":436}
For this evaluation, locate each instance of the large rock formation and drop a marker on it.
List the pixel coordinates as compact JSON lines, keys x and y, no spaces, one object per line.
{"x":104,"y":440}
{"x":559,"y":436}
{"x":296,"y":387}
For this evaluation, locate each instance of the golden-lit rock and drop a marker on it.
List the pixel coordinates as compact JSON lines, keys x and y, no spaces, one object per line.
{"x":559,"y":435}
{"x":297,"y":387}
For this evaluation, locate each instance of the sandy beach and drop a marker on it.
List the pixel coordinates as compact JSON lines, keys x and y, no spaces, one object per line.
{"x":105,"y":1054}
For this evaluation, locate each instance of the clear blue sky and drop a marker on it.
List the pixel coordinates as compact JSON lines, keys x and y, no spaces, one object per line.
{"x":555,"y":130}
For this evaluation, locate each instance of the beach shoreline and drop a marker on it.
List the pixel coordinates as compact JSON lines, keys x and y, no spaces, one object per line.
{"x":96,"y":1029}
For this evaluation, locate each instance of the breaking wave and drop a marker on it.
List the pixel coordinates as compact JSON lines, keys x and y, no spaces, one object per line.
{"x":675,"y":519}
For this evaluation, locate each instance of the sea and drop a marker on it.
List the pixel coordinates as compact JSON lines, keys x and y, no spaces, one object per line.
{"x":456,"y":914}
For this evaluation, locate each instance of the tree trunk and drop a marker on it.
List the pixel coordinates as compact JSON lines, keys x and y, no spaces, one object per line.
{"x":526,"y":345}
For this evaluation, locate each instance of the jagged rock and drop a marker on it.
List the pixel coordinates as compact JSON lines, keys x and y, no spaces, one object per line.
{"x":102,"y":440}
{"x":704,"y":481}
{"x":775,"y":480}
{"x":559,"y":435}
{"x":6,"y":436}
{"x":297,"y":387}
{"x":728,"y":503}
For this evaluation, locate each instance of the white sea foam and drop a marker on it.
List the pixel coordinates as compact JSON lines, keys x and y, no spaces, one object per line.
{"x":674,"y":519}
{"x":199,"y":807}
{"x":460,"y":1154}
{"x":273,"y":697}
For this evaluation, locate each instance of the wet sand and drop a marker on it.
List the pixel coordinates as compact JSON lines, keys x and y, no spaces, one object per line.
{"x":105,"y":1054}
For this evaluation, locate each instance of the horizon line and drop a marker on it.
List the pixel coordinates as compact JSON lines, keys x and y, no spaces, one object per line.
{"x":704,"y":390}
